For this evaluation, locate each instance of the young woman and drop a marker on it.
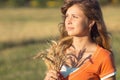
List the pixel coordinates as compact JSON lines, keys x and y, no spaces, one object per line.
{"x":91,"y":56}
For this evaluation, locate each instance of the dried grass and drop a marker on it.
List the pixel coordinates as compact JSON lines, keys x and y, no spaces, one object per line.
{"x":55,"y":56}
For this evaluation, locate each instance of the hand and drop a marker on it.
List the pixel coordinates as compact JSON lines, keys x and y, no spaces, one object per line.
{"x":52,"y":75}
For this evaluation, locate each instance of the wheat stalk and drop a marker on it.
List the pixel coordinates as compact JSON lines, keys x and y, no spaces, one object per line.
{"x":55,"y":56}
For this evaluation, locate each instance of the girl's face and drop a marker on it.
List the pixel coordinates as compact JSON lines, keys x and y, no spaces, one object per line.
{"x":76,"y":23}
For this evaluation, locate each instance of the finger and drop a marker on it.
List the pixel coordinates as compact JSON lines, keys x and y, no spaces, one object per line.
{"x":52,"y":75}
{"x":55,"y":75}
{"x":54,"y":78}
{"x":53,"y":72}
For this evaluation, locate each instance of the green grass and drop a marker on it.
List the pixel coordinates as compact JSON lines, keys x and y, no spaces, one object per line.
{"x":17,"y":63}
{"x":116,"y":50}
{"x":19,"y":25}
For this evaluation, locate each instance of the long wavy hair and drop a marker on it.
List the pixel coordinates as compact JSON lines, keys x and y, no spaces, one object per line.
{"x":92,"y":9}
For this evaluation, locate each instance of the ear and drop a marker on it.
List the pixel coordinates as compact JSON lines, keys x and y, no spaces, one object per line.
{"x":91,"y":23}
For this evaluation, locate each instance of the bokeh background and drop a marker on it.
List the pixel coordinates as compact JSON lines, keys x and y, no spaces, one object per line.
{"x":27,"y":26}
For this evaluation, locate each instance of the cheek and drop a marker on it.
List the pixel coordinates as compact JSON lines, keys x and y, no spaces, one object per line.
{"x":83,"y":25}
{"x":80,"y":26}
{"x":66,"y":23}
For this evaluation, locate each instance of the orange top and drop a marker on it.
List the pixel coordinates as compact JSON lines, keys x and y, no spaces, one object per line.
{"x":99,"y":66}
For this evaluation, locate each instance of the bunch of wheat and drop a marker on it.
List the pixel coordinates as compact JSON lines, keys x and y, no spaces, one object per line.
{"x":55,"y":56}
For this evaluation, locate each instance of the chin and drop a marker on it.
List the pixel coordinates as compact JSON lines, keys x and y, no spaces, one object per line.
{"x":77,"y":35}
{"x":71,"y":34}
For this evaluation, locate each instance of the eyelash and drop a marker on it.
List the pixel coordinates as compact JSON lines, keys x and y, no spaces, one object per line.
{"x":75,"y":17}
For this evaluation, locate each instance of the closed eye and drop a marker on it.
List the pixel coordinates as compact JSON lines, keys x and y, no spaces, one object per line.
{"x":75,"y":16}
{"x":72,"y":16}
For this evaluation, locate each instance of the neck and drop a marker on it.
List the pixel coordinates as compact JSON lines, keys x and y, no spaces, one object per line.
{"x":80,"y":43}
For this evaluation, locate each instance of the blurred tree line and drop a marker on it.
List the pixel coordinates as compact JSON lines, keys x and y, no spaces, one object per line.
{"x":30,"y":3}
{"x":43,"y":3}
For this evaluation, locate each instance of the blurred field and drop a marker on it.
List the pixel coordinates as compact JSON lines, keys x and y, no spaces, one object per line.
{"x":24,"y":24}
{"x":28,"y":24}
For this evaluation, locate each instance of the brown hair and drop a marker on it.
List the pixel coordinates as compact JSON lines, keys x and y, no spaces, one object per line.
{"x":92,"y":10}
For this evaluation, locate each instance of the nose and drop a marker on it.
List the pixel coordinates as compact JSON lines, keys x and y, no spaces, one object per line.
{"x":69,"y":20}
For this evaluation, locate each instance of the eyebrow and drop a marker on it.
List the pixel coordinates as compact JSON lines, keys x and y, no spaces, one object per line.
{"x":73,"y":14}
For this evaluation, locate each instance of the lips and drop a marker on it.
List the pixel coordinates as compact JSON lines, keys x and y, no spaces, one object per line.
{"x":70,"y":28}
